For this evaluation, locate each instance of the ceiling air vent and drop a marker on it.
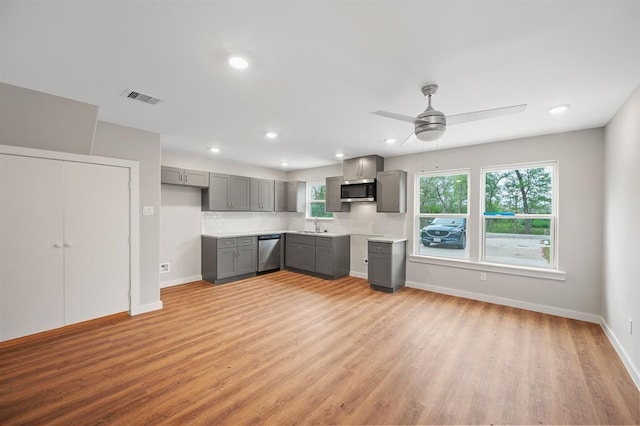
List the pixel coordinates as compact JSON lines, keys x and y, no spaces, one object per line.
{"x":141,"y":97}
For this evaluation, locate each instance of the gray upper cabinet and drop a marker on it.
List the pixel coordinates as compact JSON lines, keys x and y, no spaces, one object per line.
{"x":391,"y":191}
{"x":333,"y":203}
{"x":296,"y":196}
{"x":262,"y":195}
{"x":177,"y":176}
{"x":226,"y":193}
{"x":280,"y":196}
{"x":360,"y":168}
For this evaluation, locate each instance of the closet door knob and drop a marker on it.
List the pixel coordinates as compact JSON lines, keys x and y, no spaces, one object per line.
{"x":57,"y":245}
{"x":68,"y":244}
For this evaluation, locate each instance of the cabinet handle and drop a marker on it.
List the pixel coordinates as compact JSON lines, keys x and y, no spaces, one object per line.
{"x":57,"y":245}
{"x":186,"y":178}
{"x":67,"y":244}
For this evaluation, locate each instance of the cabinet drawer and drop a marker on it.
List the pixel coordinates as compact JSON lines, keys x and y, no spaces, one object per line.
{"x":380,"y":247}
{"x":226,"y":242}
{"x":247,"y":241}
{"x":301,"y":239}
{"x":324,"y":241}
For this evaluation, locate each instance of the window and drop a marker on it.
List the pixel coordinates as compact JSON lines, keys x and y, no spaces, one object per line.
{"x":520,"y":215}
{"x":316,"y":206}
{"x":442,"y":214}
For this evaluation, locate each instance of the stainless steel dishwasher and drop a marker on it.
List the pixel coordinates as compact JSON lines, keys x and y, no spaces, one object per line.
{"x":268,"y":252}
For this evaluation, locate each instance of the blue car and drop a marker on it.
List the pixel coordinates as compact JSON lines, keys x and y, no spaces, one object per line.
{"x":445,"y":231}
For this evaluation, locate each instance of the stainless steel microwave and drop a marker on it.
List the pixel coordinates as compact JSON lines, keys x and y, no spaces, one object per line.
{"x":354,"y":192}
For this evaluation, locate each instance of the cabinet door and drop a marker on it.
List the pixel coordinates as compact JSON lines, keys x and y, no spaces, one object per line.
{"x":379,"y":269}
{"x":292,"y":255}
{"x":333,"y":203}
{"x":239,"y":192}
{"x":96,"y":240}
{"x":171,"y":175}
{"x":255,"y":199}
{"x":296,"y":196}
{"x":216,"y":197}
{"x":247,"y":260}
{"x":196,"y":178}
{"x":31,"y":248}
{"x":324,"y":260}
{"x":280,"y":196}
{"x":226,"y":261}
{"x":307,"y":257}
{"x":266,"y":192}
{"x":351,"y":169}
{"x":391,"y":189}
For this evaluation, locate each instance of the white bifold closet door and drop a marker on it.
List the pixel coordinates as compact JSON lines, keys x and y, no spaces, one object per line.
{"x":31,"y":246}
{"x":96,"y":233}
{"x":64,"y":243}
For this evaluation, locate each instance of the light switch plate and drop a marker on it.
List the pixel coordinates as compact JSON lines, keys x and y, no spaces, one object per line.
{"x":147,"y":211}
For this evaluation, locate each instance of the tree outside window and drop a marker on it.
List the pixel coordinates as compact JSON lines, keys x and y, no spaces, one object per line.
{"x":519,"y":215}
{"x":317,"y":201}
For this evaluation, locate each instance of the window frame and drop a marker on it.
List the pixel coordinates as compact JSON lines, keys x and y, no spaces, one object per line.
{"x":418,"y":215}
{"x":309,"y":201}
{"x":553,"y":216}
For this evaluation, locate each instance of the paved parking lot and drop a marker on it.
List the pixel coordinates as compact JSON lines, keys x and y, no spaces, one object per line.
{"x":525,"y":250}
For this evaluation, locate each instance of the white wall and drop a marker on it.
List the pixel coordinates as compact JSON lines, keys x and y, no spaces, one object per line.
{"x":621,"y":295}
{"x":579,"y":232}
{"x":116,"y":141}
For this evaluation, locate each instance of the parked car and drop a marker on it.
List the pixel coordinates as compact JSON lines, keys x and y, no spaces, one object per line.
{"x":446,"y":231}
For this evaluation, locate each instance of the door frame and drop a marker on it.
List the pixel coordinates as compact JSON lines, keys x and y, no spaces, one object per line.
{"x":134,"y":206}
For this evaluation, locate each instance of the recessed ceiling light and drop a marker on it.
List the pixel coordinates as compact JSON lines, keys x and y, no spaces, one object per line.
{"x":284,"y":163}
{"x":238,"y":62}
{"x":271,"y":135}
{"x":390,"y":141}
{"x":339,"y":155}
{"x":559,"y":109}
{"x":215,"y":150}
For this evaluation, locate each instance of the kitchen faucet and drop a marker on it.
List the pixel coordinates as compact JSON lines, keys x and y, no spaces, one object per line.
{"x":317,"y":225}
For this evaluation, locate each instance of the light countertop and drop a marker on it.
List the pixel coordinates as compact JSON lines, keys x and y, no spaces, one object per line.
{"x":258,"y":233}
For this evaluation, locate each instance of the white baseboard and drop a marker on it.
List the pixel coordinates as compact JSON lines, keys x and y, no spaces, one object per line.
{"x":164,"y":284}
{"x":358,"y":274}
{"x":566,"y":313}
{"x":626,"y":359}
{"x":149,"y":307}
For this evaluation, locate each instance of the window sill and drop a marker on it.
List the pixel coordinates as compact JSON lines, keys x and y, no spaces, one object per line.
{"x":547,"y":274}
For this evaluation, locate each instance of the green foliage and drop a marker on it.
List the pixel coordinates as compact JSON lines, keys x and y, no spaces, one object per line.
{"x":318,"y":192}
{"x":518,"y":226}
{"x":525,"y":191}
{"x":443,"y":194}
{"x":318,"y":210}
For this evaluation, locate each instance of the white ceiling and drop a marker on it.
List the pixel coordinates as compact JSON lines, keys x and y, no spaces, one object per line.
{"x":319,"y":67}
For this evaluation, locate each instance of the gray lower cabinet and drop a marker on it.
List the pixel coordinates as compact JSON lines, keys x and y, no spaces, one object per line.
{"x":229,"y":259}
{"x":226,"y":193}
{"x":324,"y":256}
{"x":387,"y":265}
{"x":333,"y":203}
{"x":391,"y":192}
{"x":177,"y":176}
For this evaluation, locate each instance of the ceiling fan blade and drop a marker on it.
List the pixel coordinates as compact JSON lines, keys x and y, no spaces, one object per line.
{"x":395,"y":116}
{"x":487,"y":113}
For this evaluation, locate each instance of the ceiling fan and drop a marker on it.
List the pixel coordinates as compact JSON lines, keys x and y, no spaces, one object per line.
{"x":431,"y":124}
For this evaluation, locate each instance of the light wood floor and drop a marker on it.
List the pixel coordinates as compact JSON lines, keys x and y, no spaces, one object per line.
{"x":285,"y":348}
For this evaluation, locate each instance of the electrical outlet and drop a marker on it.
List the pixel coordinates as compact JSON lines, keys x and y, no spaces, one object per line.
{"x":483,"y":276}
{"x":147,"y":211}
{"x":164,"y":267}
{"x":630,"y":326}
